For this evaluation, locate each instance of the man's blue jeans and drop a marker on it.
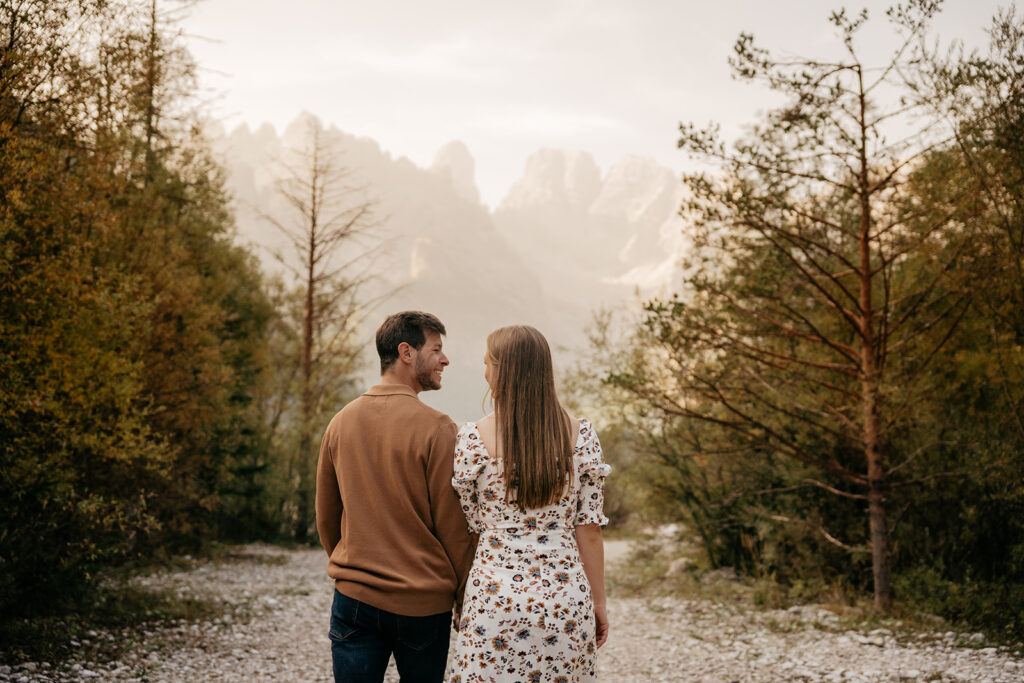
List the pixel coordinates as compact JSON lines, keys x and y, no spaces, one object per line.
{"x":364,"y":637}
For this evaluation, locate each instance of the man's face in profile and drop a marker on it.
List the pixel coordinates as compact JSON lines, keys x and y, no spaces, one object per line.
{"x":430,"y":363}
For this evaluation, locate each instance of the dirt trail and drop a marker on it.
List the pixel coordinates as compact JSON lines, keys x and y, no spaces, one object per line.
{"x":275,"y":629}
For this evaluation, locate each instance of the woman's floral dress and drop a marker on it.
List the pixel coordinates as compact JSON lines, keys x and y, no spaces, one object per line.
{"x":528,"y":614}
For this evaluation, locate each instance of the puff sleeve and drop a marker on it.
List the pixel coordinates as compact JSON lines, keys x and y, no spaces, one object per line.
{"x":468,"y":465}
{"x":591,"y":470}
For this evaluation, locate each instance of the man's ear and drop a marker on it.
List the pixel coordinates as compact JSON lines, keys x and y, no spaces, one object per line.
{"x":406,"y":353}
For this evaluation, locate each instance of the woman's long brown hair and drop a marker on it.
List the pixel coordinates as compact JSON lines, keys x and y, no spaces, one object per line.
{"x":533,"y":429}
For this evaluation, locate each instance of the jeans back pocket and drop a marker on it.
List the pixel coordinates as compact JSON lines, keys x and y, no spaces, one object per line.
{"x":418,"y":633}
{"x":344,"y":615}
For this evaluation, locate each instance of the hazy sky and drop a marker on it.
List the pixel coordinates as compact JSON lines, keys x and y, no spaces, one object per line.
{"x":507,"y":78}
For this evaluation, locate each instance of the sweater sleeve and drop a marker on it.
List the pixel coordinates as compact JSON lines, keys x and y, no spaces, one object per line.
{"x":449,"y":522}
{"x":328,"y":499}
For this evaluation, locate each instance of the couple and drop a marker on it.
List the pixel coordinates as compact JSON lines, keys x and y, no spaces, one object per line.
{"x":500,"y":519}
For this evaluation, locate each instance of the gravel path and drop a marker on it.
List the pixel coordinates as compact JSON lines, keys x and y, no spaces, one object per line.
{"x":276,"y":630}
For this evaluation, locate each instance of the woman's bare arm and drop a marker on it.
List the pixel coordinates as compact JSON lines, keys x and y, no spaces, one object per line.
{"x":591,"y":545}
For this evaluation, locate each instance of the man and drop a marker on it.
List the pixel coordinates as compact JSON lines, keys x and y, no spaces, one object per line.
{"x":388,"y":517}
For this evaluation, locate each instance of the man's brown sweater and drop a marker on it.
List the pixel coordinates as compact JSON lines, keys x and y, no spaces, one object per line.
{"x":385,"y":507}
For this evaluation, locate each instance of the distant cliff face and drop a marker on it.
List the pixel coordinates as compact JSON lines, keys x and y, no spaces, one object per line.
{"x":595,"y":239}
{"x":555,"y":178}
{"x":564,"y":241}
{"x":454,"y":162}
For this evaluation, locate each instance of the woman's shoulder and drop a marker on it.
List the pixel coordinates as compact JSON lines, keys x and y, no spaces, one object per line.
{"x":472,"y":433}
{"x":486,"y":426}
{"x":469,"y":433}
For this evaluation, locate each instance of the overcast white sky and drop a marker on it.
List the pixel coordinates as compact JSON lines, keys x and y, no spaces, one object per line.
{"x":610,"y":77}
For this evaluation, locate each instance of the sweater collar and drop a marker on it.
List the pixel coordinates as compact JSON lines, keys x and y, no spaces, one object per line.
{"x":390,"y":390}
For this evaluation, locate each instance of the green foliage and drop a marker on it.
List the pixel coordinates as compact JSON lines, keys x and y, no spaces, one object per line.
{"x":797,"y":339}
{"x":624,"y":494}
{"x":993,"y":605}
{"x":78,"y":463}
{"x":276,"y":512}
{"x":131,"y":328}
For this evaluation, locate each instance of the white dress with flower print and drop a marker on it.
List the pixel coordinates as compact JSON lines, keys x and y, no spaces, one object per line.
{"x":528,"y":614}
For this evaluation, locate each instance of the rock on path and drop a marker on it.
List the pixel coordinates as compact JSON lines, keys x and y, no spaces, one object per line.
{"x":278,"y":632}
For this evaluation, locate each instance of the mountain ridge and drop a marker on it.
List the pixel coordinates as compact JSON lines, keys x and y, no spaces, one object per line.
{"x":566,"y":239}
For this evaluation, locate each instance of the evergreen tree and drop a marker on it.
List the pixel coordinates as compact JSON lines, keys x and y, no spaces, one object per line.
{"x":132,"y":333}
{"x":800,"y":337}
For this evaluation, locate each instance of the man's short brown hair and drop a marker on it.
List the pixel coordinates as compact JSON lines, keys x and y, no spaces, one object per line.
{"x":410,"y":327}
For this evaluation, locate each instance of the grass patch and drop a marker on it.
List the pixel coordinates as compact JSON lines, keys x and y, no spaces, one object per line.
{"x":662,"y":566}
{"x":658,"y":567}
{"x":642,"y":573}
{"x":213,"y":553}
{"x":241,"y":555}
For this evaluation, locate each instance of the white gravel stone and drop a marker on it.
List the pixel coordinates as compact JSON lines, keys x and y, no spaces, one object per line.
{"x":277,"y":606}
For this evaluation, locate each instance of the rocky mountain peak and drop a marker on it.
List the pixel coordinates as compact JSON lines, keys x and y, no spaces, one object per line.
{"x":454,"y":162}
{"x":637,"y":188}
{"x":555,"y":177}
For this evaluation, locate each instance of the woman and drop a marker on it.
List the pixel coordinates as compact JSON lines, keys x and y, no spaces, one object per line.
{"x":531,"y":481}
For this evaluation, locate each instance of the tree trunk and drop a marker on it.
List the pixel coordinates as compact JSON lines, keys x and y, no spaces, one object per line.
{"x":878,"y":524}
{"x":151,"y":77}
{"x":876,"y":471}
{"x":879,"y":530}
{"x":302,"y":523}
